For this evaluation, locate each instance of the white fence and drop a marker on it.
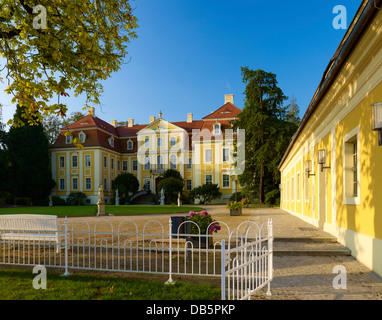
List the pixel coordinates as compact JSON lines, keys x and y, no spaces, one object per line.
{"x":242,"y":257}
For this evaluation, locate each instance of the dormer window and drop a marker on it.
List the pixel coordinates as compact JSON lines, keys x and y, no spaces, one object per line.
{"x":82,"y":136}
{"x":68,"y":139}
{"x":111,"y":141}
{"x":217,"y":128}
{"x":130,"y":145}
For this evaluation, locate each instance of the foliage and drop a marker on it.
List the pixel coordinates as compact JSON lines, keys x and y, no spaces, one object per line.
{"x":81,"y":43}
{"x":204,"y":220}
{"x":28,"y":160}
{"x":172,"y":186}
{"x":245,"y":201}
{"x":205,"y":193}
{"x":125,"y":183}
{"x":172,"y":173}
{"x":272,"y":197}
{"x":268,"y":128}
{"x":75,"y":198}
{"x":236,"y":196}
{"x":234,"y":205}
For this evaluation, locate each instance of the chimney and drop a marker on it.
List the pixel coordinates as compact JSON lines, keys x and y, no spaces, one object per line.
{"x":228,"y":98}
{"x":114,"y":123}
{"x":152,"y":119}
{"x":91,"y":111}
{"x":189,"y":117}
{"x":131,"y":123}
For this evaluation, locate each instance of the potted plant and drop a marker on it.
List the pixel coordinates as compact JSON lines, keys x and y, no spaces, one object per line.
{"x":245,"y":202}
{"x":235,"y":208}
{"x":203,"y":227}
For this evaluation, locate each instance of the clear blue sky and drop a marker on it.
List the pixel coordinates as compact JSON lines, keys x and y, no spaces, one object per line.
{"x":189,"y":53}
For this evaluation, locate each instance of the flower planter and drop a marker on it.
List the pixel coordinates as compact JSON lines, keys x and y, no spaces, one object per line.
{"x":236,"y":212}
{"x":200,"y":242}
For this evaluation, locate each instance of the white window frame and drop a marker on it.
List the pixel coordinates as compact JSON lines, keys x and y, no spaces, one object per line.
{"x":76,"y":162}
{"x":212,"y":178}
{"x":62,"y":184}
{"x":74,"y":187}
{"x":130,"y":145}
{"x":135,"y":165}
{"x":226,"y":155}
{"x":88,"y":181}
{"x":88,"y":160}
{"x":206,"y":160}
{"x":172,"y":141}
{"x":229,"y":181}
{"x":347,"y":165}
{"x":173,"y":165}
{"x":147,"y":163}
{"x":188,"y":185}
{"x":189,"y":163}
{"x":61,"y":164}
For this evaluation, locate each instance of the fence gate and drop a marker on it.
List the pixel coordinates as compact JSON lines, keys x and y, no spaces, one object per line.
{"x":247,"y":262}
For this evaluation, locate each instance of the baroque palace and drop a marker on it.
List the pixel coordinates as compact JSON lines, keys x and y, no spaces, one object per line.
{"x":201,"y":150}
{"x":331,"y":173}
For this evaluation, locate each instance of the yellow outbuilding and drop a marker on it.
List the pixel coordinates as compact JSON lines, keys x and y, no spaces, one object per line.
{"x":331,"y":174}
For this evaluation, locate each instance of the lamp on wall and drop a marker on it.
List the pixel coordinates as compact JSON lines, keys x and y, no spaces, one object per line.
{"x":322,"y":159}
{"x":308,"y":168}
{"x":376,"y":119}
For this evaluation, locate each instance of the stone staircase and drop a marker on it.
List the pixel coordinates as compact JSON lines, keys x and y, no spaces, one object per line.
{"x":309,"y":246}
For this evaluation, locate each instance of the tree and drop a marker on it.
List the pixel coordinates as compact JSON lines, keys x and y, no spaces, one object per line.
{"x":172,"y":186}
{"x":267,"y":131}
{"x":51,"y":47}
{"x":126,"y":183}
{"x":29,"y":161}
{"x":205,"y":193}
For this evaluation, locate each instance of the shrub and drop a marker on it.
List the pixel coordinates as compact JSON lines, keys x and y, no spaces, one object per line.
{"x":206,"y":193}
{"x":234,"y":205}
{"x":272,"y":197}
{"x":76,"y":198}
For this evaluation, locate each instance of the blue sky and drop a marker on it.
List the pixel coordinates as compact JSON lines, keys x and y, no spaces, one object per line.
{"x":189,"y":53}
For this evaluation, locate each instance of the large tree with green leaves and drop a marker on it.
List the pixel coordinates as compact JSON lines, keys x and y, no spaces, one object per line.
{"x":52,"y":47}
{"x":267,"y":131}
{"x":29,"y":169}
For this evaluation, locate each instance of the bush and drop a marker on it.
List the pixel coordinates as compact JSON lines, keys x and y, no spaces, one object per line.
{"x":76,"y":198}
{"x":206,"y":193}
{"x":237,"y":195}
{"x":57,"y":201}
{"x":272,"y":197}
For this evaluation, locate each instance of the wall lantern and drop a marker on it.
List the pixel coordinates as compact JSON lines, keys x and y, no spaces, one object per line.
{"x":308,"y":168}
{"x":376,"y":119}
{"x":322,"y":159}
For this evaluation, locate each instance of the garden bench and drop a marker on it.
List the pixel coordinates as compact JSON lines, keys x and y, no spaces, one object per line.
{"x":30,"y":227}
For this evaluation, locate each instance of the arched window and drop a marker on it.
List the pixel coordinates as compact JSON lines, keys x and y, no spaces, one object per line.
{"x":147,"y":163}
{"x":130,"y":145}
{"x":147,"y":143}
{"x":159,"y":142}
{"x":160,"y":163}
{"x":173,"y":161}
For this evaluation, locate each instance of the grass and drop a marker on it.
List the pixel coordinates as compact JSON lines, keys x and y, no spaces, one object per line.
{"x":92,"y":210}
{"x":18,"y":285}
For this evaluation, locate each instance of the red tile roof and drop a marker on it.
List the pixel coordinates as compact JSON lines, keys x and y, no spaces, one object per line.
{"x":95,"y":137}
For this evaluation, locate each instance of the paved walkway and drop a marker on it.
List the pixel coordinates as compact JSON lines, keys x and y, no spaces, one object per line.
{"x":308,"y":273}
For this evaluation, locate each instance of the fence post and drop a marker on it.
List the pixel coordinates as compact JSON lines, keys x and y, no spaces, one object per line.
{"x":66,"y":273}
{"x":223,"y":270}
{"x":170,"y":281}
{"x":270,"y":255}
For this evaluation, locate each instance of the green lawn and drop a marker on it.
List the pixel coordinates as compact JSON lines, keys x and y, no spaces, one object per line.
{"x":18,"y":285}
{"x":92,"y":210}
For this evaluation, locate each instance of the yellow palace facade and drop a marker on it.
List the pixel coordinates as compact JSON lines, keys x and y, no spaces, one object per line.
{"x":201,"y":150}
{"x":331,"y":174}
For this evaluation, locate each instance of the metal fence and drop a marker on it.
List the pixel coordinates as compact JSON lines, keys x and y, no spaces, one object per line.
{"x":242,"y":257}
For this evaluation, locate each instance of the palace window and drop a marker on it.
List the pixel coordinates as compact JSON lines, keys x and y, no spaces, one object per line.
{"x":208,"y":155}
{"x":82,"y":137}
{"x":68,"y":139}
{"x":130,"y":145}
{"x":62,"y":162}
{"x":88,"y":184}
{"x":147,"y":163}
{"x":209,"y":179}
{"x":88,"y":162}
{"x":188,"y":185}
{"x":189,"y":163}
{"x":135,"y":165}
{"x":225,"y":155}
{"x":105,"y":162}
{"x":62,"y":184}
{"x":160,"y":163}
{"x":147,"y":143}
{"x":75,"y":184}
{"x":172,"y":141}
{"x":74,"y":161}
{"x":159,"y":142}
{"x":173,"y":161}
{"x":352,"y":167}
{"x":226,"y":181}
{"x":124,"y":165}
